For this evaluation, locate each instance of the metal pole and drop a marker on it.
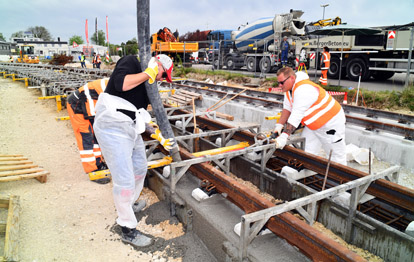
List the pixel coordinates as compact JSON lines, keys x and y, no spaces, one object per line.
{"x":317,"y":47}
{"x":340,"y":61}
{"x":409,"y":58}
{"x":143,"y":28}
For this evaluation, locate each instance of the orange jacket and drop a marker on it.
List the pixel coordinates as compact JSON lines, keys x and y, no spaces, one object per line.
{"x":325,"y":61}
{"x":84,"y":99}
{"x":323,"y":110}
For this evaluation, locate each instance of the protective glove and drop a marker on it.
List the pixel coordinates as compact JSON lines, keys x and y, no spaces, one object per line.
{"x":281,"y":140}
{"x":152,"y":70}
{"x":278,"y":128}
{"x":166,"y":143}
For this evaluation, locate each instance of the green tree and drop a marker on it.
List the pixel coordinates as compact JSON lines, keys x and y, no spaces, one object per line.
{"x":77,"y":39}
{"x":17,"y":34}
{"x":131,"y":47}
{"x":40,"y":32}
{"x":2,"y":37}
{"x":101,"y":38}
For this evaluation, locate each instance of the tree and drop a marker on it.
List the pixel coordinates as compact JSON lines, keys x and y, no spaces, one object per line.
{"x":2,"y":37}
{"x":131,"y":47}
{"x":40,"y":32}
{"x":17,"y":34}
{"x":101,"y":38}
{"x":77,"y":39}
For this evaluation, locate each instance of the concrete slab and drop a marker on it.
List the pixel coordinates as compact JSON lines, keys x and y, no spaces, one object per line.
{"x":213,"y":221}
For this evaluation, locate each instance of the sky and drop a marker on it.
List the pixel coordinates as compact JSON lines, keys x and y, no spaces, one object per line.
{"x":65,"y":19}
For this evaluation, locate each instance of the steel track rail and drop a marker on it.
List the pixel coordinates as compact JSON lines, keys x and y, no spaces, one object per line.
{"x":390,"y":192}
{"x":269,"y":100}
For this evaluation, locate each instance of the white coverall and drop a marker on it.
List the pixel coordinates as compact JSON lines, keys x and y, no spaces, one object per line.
{"x":124,"y":151}
{"x":330,"y":136}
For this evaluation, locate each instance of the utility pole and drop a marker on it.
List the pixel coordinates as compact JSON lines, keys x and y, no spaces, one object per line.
{"x":144,"y":51}
{"x":317,"y":47}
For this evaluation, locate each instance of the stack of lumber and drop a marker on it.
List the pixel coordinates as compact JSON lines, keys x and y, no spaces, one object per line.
{"x":18,"y":167}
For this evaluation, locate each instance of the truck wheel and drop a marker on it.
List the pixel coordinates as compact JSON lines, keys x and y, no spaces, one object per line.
{"x":265,"y":65}
{"x":230,"y":63}
{"x":354,"y":67}
{"x":251,"y":64}
{"x":382,"y":75}
{"x":333,"y":71}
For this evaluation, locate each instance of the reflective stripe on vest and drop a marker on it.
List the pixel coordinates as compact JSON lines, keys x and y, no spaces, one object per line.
{"x":323,"y":110}
{"x":97,"y":85}
{"x":326,"y":60}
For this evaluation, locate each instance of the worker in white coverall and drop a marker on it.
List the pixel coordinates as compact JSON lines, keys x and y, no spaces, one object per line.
{"x":121,"y":118}
{"x":323,"y":117}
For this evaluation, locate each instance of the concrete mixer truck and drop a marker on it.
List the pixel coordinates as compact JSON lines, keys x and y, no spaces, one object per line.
{"x":255,"y":45}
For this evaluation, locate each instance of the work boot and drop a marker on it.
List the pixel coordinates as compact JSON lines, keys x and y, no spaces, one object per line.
{"x":133,"y":237}
{"x":138,"y":206}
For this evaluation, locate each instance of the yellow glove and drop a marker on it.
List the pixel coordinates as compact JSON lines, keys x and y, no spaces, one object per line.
{"x":152,"y":70}
{"x":166,"y":143}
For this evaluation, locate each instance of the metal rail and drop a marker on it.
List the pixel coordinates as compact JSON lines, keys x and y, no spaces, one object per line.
{"x":272,"y":100}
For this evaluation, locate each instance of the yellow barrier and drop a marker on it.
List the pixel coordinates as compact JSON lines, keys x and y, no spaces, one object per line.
{"x":58,"y":100}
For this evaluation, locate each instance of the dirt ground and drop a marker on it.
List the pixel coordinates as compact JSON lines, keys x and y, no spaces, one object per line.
{"x":70,"y":218}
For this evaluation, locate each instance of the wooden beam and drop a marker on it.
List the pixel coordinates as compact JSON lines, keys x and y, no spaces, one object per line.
{"x":9,"y":163}
{"x":22,"y":177}
{"x":20,"y":172}
{"x":12,"y":158}
{"x":7,"y":168}
{"x":12,"y":230}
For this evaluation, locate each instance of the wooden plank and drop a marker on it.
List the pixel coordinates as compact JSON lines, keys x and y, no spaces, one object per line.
{"x":27,"y":176}
{"x":9,"y":163}
{"x":5,"y":155}
{"x":182,"y":97}
{"x":195,"y":95}
{"x":187,"y":95}
{"x":7,"y":168}
{"x":12,"y":158}
{"x":3,"y":227}
{"x":225,"y":116}
{"x":20,"y":172}
{"x":12,"y":230}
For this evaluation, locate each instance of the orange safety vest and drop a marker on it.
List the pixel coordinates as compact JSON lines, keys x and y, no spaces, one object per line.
{"x":323,"y":110}
{"x":89,"y":94}
{"x":326,"y":60}
{"x":98,"y":59}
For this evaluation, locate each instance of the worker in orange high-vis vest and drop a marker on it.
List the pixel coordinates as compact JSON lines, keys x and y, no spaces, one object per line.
{"x":321,"y":115}
{"x":81,"y":109}
{"x":325,"y":64}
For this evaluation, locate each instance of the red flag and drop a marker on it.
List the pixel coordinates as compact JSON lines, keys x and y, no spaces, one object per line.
{"x":107,"y":36}
{"x":86,"y":31}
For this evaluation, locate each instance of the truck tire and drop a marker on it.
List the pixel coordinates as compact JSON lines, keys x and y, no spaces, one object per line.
{"x":265,"y":65}
{"x":382,"y":75}
{"x":354,"y":67}
{"x":230,"y":64}
{"x":333,"y":71}
{"x":251,"y":64}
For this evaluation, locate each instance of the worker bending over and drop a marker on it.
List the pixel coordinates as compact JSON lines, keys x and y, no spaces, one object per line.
{"x":323,"y":117}
{"x":325,"y":63}
{"x":121,"y":118}
{"x":81,"y":109}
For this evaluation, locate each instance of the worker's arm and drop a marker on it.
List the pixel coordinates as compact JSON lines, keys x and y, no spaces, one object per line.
{"x":131,"y":81}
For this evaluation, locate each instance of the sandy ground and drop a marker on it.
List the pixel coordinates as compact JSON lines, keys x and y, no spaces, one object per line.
{"x":70,"y":218}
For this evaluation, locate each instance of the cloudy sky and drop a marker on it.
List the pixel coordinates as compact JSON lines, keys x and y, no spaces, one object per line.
{"x":67,"y":18}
